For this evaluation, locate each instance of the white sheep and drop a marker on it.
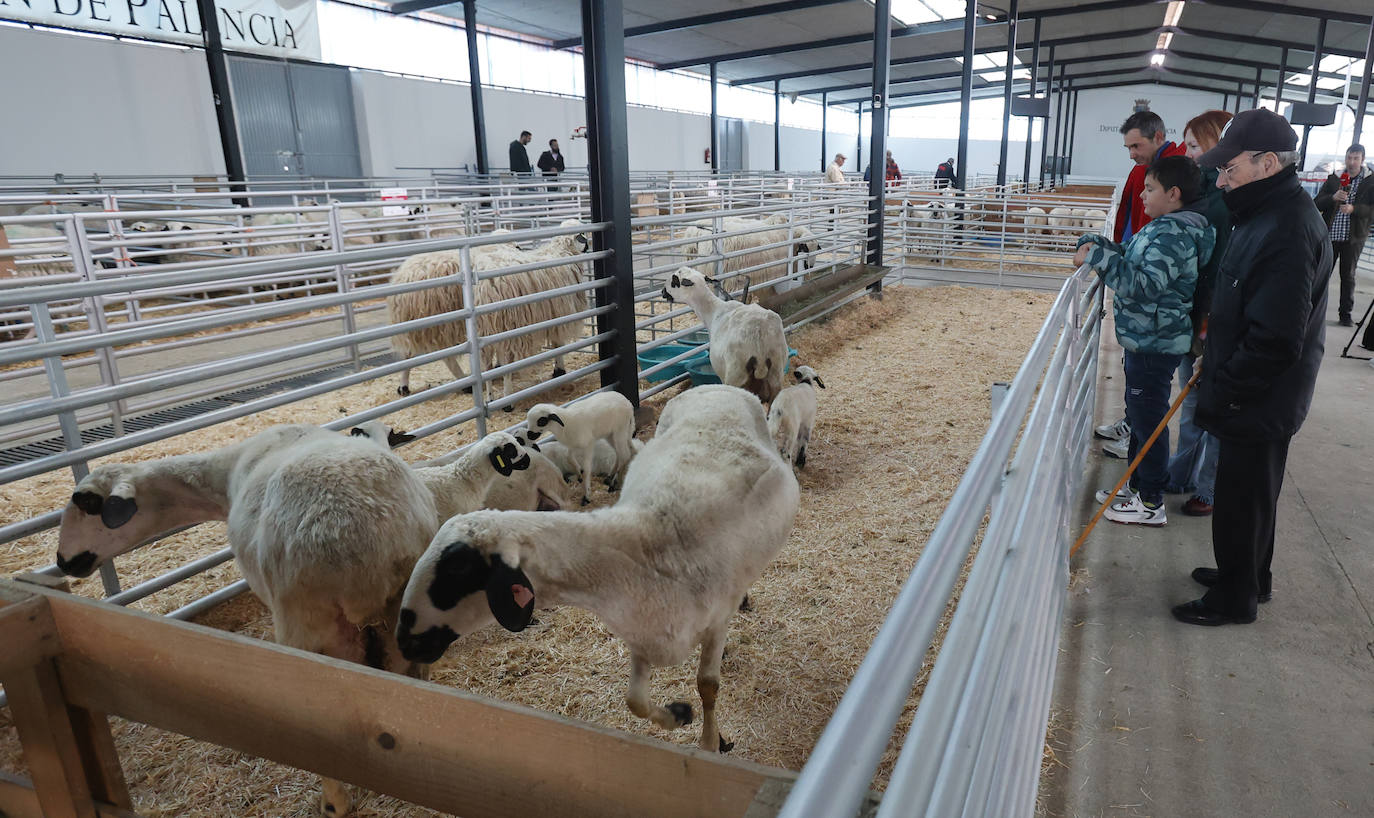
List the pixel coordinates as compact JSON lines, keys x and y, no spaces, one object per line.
{"x":932,"y":228}
{"x":705,"y":508}
{"x":793,"y":415}
{"x":42,"y":250}
{"x":1062,"y":220}
{"x":769,"y":231}
{"x":605,"y":416}
{"x":603,"y":458}
{"x":1094,"y":221}
{"x":748,"y":344}
{"x":1036,"y":220}
{"x":325,"y":528}
{"x":449,"y":297}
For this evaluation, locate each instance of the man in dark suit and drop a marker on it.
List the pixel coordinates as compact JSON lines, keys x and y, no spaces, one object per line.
{"x":1265,"y":337}
{"x":519,"y":159}
{"x":551,"y":161}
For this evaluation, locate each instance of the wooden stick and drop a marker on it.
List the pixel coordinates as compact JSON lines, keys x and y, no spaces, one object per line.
{"x":1140,"y":455}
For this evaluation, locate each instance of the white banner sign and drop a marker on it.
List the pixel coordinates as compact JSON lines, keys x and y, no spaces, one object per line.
{"x":281,"y":28}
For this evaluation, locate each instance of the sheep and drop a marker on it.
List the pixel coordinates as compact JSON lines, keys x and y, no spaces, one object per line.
{"x":1094,"y":221}
{"x":1036,"y":219}
{"x":1061,"y":220}
{"x":770,"y":231}
{"x":603,"y":459}
{"x":603,"y":416}
{"x":748,"y":345}
{"x":325,"y":528}
{"x":176,"y":246}
{"x":932,"y":224}
{"x":447,"y":298}
{"x":706,"y":507}
{"x":793,"y":415}
{"x":44,"y":250}
{"x":287,"y":233}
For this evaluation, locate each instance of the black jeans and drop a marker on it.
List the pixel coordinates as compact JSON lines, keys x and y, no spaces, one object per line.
{"x":1249,"y":478}
{"x":1149,"y":378}
{"x":1347,"y":253}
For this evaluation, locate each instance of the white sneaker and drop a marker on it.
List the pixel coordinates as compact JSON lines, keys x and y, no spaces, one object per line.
{"x":1135,"y":511}
{"x":1120,"y":449}
{"x":1123,"y":496}
{"x":1121,"y":430}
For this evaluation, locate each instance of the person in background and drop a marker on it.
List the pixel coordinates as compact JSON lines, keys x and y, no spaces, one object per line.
{"x":551,"y":161}
{"x":519,"y":159}
{"x":1152,"y":278}
{"x":1143,"y":136}
{"x":1346,"y":201}
{"x":833,"y":173}
{"x":1193,"y":468}
{"x":892,"y":173}
{"x":1265,"y":336}
{"x":944,"y":174}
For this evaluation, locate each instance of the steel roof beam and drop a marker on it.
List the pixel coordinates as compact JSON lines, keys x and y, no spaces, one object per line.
{"x":708,"y":19}
{"x":407,"y":6}
{"x":1293,"y":11}
{"x":1248,"y":40}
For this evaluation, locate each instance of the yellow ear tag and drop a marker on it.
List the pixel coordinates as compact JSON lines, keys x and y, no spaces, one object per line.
{"x":500,"y":462}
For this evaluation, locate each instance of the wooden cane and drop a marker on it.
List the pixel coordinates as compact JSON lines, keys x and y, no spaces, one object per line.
{"x":1140,"y":455}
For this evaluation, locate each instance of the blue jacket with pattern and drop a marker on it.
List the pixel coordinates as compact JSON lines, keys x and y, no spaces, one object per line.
{"x":1153,"y":276}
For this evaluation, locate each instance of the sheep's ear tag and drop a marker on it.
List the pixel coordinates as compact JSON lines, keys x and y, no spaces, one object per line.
{"x":820,"y":382}
{"x":116,"y":510}
{"x":395,"y":438}
{"x":506,"y":586}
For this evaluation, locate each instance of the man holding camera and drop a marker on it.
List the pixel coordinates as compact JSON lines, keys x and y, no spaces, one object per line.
{"x":1346,"y":201}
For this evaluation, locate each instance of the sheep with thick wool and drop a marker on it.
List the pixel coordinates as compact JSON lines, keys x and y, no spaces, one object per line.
{"x":449,"y":297}
{"x":607,"y":416}
{"x":325,"y":528}
{"x":748,"y":344}
{"x":706,"y":506}
{"x":793,"y":415}
{"x":773,"y":230}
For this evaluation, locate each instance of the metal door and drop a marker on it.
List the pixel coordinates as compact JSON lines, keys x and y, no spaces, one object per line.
{"x":732,"y":144}
{"x":294,"y":119}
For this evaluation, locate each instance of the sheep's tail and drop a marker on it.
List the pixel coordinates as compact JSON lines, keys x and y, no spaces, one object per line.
{"x":758,"y":377}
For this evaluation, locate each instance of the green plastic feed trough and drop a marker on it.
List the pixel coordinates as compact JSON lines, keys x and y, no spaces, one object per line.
{"x":657,"y":355}
{"x":702,"y":373}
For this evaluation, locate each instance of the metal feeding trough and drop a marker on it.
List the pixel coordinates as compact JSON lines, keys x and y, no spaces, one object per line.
{"x":657,"y":355}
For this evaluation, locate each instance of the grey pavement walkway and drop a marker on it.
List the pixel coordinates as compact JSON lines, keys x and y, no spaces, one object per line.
{"x":1156,"y":718}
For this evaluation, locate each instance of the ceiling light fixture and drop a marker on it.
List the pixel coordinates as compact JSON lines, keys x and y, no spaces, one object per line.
{"x":1173,"y":12}
{"x":1156,"y":59}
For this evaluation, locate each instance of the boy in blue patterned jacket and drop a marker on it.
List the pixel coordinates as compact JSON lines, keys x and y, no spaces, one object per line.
{"x":1152,"y":277}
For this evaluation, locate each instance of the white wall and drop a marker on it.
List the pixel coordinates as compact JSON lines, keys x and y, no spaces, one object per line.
{"x":1097,"y":147}
{"x":79,"y":105}
{"x":406,"y":123}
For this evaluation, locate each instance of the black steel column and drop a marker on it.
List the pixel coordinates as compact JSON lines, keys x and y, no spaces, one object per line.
{"x":1312,"y":89}
{"x":1045,"y":128}
{"x":1240,"y":92}
{"x":1030,"y":120}
{"x":825,"y":109}
{"x":777,"y":125}
{"x":603,"y":59}
{"x":1006,"y":96}
{"x":479,"y":117}
{"x":1258,"y":79}
{"x":219,"y":90}
{"x":1059,"y":103}
{"x":1278,"y":86}
{"x":965,"y":94}
{"x":877,"y":151}
{"x":715,"y":122}
{"x":1364,"y":83}
{"x":1073,"y":131}
{"x":859,"y":143}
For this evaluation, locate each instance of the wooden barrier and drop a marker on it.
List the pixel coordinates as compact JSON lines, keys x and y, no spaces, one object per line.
{"x":69,"y":661}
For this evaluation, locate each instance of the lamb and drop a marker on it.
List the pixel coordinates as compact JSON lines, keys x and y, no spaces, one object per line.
{"x":449,"y":297}
{"x":325,"y":528}
{"x":603,"y":460}
{"x":705,"y":508}
{"x":748,"y":345}
{"x":793,"y":415}
{"x":603,"y":416}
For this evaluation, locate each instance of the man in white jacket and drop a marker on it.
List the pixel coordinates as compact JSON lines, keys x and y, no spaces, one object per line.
{"x":833,"y":173}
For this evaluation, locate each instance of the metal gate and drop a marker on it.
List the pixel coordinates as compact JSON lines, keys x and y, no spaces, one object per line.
{"x":732,"y":144}
{"x":295,"y":119}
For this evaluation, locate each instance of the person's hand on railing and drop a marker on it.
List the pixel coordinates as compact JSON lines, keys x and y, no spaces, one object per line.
{"x":1081,"y":256}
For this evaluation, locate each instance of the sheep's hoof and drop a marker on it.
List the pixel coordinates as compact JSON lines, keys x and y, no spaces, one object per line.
{"x":403,"y":390}
{"x":726,"y":746}
{"x":586,"y":501}
{"x":559,"y":372}
{"x":682,"y":713}
{"x":508,"y":408}
{"x":745,"y":605}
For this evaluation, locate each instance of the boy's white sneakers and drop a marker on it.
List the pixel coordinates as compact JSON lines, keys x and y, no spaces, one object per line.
{"x":1123,"y":496}
{"x":1121,"y":430}
{"x":1120,"y":449}
{"x":1136,"y":512}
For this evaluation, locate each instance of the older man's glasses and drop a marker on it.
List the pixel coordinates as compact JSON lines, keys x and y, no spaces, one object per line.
{"x":1226,"y":169}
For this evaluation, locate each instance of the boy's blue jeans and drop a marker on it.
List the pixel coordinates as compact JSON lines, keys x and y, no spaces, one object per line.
{"x":1193,"y":468}
{"x":1149,"y":378}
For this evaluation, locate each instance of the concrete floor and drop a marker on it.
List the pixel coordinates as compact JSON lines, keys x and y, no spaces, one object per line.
{"x":1156,"y":718}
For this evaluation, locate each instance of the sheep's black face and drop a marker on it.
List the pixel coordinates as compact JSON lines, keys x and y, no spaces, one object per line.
{"x":82,"y":565}
{"x":424,"y":647}
{"x":508,"y":459}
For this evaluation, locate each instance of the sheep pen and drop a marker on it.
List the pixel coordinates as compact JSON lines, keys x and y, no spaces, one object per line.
{"x":923,"y":353}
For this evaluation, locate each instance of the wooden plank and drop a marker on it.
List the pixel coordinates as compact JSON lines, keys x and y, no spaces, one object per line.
{"x":18,"y":799}
{"x":435,"y":746}
{"x":8,"y":267}
{"x":50,"y":746}
{"x":28,"y":633}
{"x":99,"y":759}
{"x":55,"y":583}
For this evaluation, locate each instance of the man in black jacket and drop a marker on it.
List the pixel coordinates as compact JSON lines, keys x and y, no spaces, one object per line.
{"x":1265,"y":337}
{"x":519,"y":159}
{"x":551,"y":161}
{"x":1346,"y":202}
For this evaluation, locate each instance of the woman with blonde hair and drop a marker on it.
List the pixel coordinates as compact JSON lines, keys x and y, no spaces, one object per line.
{"x":1193,"y":468}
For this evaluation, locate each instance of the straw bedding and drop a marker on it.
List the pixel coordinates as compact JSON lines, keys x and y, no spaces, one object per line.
{"x":906,"y":406}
